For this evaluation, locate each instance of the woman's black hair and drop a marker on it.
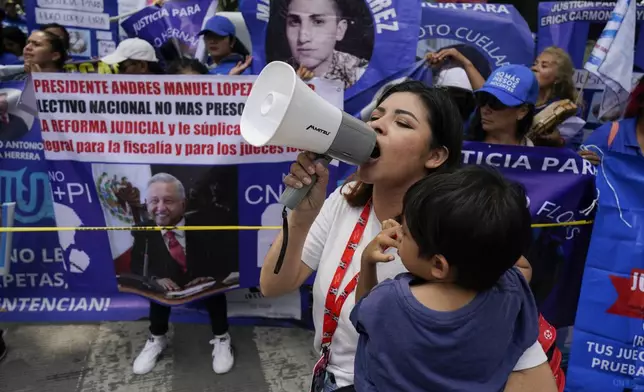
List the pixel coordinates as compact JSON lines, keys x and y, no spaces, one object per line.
{"x":184,"y":63}
{"x":16,"y":35}
{"x":155,"y":68}
{"x":444,"y":121}
{"x":476,"y":133}
{"x":60,"y":27}
{"x":58,"y":46}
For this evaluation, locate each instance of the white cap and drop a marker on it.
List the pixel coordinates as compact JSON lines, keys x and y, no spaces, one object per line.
{"x":453,"y":77}
{"x":131,"y":49}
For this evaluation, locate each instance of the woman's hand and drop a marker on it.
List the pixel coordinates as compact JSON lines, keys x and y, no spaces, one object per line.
{"x":590,"y":156}
{"x":241,"y":66}
{"x":31,"y":68}
{"x":388,"y":238}
{"x":305,"y":74}
{"x":300,"y":175}
{"x":447,"y":54}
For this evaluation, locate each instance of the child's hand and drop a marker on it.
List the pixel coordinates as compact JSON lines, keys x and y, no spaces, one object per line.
{"x":375,"y":252}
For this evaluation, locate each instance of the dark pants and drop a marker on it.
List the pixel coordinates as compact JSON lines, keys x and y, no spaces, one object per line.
{"x":217,"y":310}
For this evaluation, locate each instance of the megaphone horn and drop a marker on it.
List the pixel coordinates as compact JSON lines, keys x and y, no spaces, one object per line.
{"x":282,"y":110}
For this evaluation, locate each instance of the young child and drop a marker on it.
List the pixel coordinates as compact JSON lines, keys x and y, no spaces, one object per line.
{"x":463,"y":315}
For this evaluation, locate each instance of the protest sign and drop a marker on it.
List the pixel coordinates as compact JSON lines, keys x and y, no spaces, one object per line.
{"x":497,"y":30}
{"x":159,"y":150}
{"x":593,"y":90}
{"x":575,"y":26}
{"x":91,"y":34}
{"x":607,"y":353}
{"x":175,"y":22}
{"x":360,"y":44}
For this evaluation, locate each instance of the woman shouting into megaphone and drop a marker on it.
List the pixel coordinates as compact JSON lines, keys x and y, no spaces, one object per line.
{"x":419,"y":132}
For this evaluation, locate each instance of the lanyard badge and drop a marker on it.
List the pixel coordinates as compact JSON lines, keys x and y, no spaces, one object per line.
{"x":335,"y":300}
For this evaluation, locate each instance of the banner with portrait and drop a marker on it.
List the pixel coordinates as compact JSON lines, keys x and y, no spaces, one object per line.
{"x":359,"y":43}
{"x":91,"y":33}
{"x":175,"y":23}
{"x":608,"y":337}
{"x":575,"y":27}
{"x":498,"y":31}
{"x":126,"y":151}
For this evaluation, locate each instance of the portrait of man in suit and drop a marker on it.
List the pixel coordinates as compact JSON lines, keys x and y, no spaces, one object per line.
{"x":178,"y":259}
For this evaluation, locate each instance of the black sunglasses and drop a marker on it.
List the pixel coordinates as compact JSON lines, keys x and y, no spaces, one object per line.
{"x":483,"y":99}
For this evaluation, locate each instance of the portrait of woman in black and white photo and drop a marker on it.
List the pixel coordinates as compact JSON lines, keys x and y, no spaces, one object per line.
{"x":334,"y":39}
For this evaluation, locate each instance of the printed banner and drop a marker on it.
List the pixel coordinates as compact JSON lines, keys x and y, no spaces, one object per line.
{"x":175,"y":22}
{"x":91,"y":34}
{"x":359,"y":43}
{"x":496,"y":30}
{"x":37,"y":290}
{"x":575,"y":26}
{"x":608,"y":337}
{"x":593,"y":91}
{"x":159,"y":151}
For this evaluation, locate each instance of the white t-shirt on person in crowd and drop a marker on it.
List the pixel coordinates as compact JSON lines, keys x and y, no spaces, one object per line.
{"x":323,"y":249}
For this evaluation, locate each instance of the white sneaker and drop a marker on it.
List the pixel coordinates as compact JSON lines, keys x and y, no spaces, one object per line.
{"x":222,"y":354}
{"x":146,"y":360}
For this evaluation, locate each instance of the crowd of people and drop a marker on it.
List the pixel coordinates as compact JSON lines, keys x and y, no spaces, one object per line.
{"x":399,"y":302}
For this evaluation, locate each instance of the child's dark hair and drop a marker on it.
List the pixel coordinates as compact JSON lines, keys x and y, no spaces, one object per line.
{"x":185,"y":63}
{"x":474,"y":218}
{"x":444,"y":121}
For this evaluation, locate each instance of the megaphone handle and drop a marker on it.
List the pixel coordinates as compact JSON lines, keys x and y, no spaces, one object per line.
{"x":292,"y":197}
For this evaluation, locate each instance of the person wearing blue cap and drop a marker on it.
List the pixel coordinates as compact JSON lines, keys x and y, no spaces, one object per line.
{"x":505,"y":107}
{"x":228,"y":54}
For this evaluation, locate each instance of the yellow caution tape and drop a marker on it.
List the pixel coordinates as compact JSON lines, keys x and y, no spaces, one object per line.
{"x":208,"y":228}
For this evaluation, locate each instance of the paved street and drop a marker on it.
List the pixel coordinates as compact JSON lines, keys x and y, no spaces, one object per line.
{"x":98,"y":358}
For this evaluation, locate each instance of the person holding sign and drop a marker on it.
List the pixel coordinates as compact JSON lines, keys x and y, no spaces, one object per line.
{"x":228,"y":54}
{"x":625,"y":136}
{"x":505,"y":107}
{"x":419,"y":132}
{"x":177,"y":260}
{"x":134,"y":56}
{"x":45,"y":52}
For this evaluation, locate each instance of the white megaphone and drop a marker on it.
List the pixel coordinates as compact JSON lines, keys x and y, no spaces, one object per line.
{"x":282,"y":110}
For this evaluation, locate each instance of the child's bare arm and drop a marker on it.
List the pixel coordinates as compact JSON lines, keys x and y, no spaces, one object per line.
{"x":526,"y":269}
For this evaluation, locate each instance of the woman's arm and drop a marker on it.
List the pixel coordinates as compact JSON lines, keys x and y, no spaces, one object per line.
{"x":536,"y":379}
{"x":294,"y":271}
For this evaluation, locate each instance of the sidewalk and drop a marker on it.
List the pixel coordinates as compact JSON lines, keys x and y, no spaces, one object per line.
{"x":98,"y":358}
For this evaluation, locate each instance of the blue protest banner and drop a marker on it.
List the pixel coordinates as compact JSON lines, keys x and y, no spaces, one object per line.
{"x":362,"y":43}
{"x":160,"y":152}
{"x":38,"y":286}
{"x":91,"y":33}
{"x":608,"y":338}
{"x":362,"y":104}
{"x":496,"y":30}
{"x":575,"y":26}
{"x":177,"y":21}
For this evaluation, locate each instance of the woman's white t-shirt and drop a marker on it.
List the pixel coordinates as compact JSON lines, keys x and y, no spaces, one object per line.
{"x":323,"y":249}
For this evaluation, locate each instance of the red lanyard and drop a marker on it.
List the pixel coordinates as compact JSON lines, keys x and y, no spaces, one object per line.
{"x":334,"y":302}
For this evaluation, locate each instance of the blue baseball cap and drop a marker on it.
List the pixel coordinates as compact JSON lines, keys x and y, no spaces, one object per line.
{"x":219,"y":25}
{"x":513,"y":85}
